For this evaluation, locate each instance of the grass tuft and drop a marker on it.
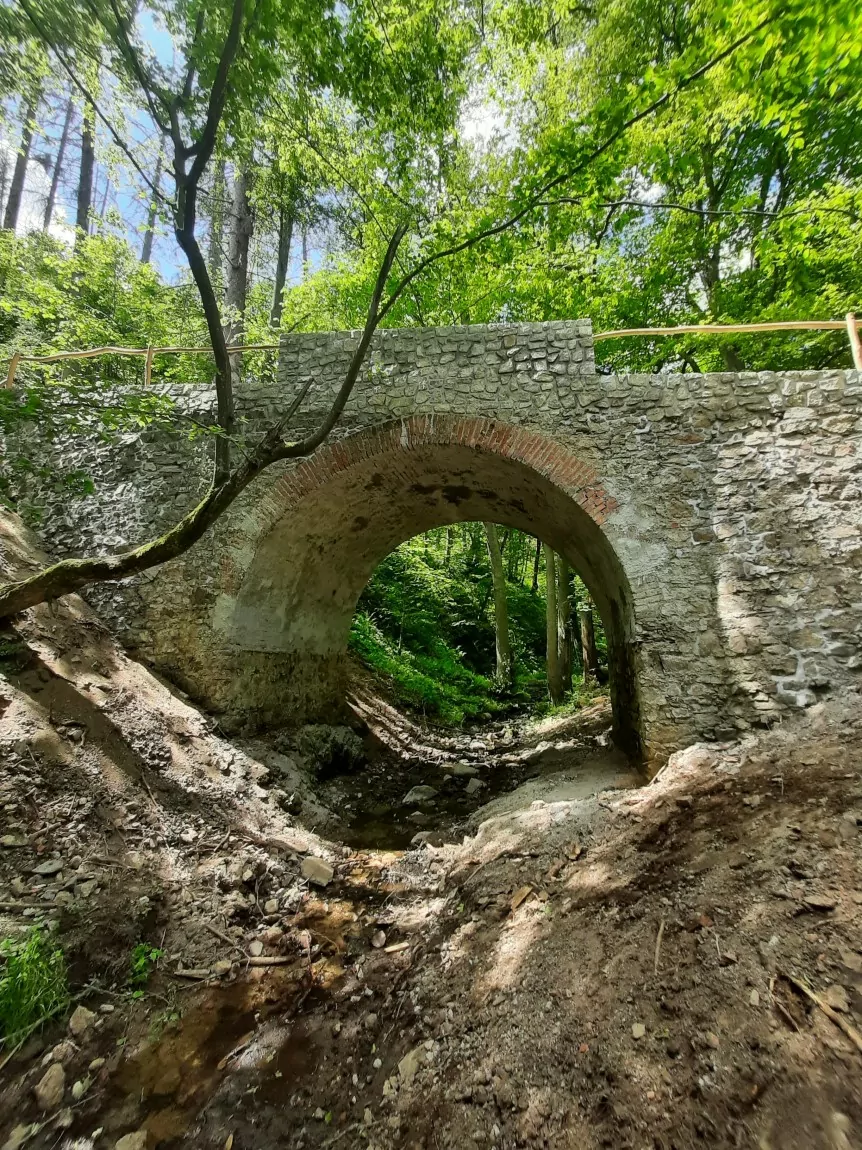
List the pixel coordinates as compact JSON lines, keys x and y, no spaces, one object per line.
{"x":33,"y":983}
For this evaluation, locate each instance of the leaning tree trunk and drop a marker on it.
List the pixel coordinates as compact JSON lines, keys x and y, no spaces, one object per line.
{"x":16,"y":188}
{"x":85,"y":175}
{"x":236,"y":287}
{"x":534,"y":587}
{"x":216,"y":236}
{"x":58,"y":166}
{"x":505,"y":667}
{"x":239,"y":240}
{"x":149,"y":234}
{"x":285,"y":236}
{"x":555,"y":681}
{"x":564,"y":623}
{"x":588,"y":641}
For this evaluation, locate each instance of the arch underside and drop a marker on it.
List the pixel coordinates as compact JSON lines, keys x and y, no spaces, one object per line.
{"x":301,"y":589}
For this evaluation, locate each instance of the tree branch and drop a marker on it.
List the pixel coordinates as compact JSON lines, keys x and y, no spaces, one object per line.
{"x":218,"y":94}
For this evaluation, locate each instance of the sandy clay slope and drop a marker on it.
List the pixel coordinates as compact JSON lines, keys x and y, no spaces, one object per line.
{"x":582,"y":962}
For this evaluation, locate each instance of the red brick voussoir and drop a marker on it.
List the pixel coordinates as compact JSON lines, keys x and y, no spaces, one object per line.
{"x":532,"y":449}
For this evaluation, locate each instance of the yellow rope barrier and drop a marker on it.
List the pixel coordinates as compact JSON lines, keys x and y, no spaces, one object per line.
{"x":848,"y":324}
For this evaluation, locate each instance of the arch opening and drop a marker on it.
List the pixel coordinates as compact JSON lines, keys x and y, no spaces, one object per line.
{"x":336,"y":518}
{"x":459,"y":642}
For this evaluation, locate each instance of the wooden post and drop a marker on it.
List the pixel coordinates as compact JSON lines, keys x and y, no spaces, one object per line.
{"x":13,"y":367}
{"x":855,"y":344}
{"x":148,"y":368}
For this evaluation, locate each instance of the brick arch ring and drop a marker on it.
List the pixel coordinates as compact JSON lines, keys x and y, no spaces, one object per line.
{"x":316,"y":535}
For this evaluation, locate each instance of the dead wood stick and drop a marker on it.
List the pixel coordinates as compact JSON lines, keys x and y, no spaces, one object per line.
{"x":25,"y":905}
{"x":224,"y":937}
{"x":275,"y":960}
{"x":659,"y":937}
{"x":785,"y":1013}
{"x":842,"y":1024}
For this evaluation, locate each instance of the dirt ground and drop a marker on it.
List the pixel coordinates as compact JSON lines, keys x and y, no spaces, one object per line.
{"x":562,"y":958}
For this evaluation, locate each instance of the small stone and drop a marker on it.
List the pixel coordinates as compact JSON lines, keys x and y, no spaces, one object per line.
{"x":222,"y":967}
{"x":62,"y":1052}
{"x":836,"y":997}
{"x":136,"y":1141}
{"x":188,"y":836}
{"x":419,"y":795}
{"x":107,"y":1008}
{"x":255,"y":949}
{"x":270,"y":906}
{"x":64,"y":898}
{"x":820,"y":902}
{"x":378,"y":939}
{"x":51,"y":1087}
{"x":474,"y":786}
{"x":13,"y":841}
{"x":754,"y":998}
{"x":367,"y":1116}
{"x":370,"y":1021}
{"x":96,"y":1064}
{"x":712,"y":1040}
{"x":81,"y":1021}
{"x":852,"y":961}
{"x":638,"y":1030}
{"x":418,"y":817}
{"x":48,"y":868}
{"x":317,"y":870}
{"x":409,"y":1064}
{"x":847,"y":826}
{"x":79,"y":1089}
{"x":461,"y":770}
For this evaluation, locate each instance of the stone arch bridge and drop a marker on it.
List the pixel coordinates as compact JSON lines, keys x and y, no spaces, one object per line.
{"x":715,"y":519}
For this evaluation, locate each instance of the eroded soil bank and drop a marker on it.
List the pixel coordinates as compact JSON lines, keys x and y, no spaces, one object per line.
{"x":581,"y":962}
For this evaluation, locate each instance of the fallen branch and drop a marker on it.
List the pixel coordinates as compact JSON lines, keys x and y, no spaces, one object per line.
{"x":275,"y":960}
{"x":224,"y":937}
{"x":842,"y":1024}
{"x":659,"y":937}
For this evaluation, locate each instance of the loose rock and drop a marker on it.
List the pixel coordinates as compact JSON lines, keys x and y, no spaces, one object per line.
{"x":317,"y":870}
{"x":81,"y":1021}
{"x":51,"y":1087}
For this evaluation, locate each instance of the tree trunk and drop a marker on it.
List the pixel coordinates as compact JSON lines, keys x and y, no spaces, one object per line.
{"x":505,"y":668}
{"x":216,"y":237}
{"x":564,"y":623}
{"x":239,"y":239}
{"x":70,"y":575}
{"x":103,"y":206}
{"x":555,"y":682}
{"x":58,"y":166}
{"x":535,"y":584}
{"x":85,"y":176}
{"x":149,"y":234}
{"x":588,"y":641}
{"x":304,"y":253}
{"x":285,"y":236}
{"x":16,"y":188}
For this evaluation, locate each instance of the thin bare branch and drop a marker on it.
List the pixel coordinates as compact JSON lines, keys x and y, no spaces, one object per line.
{"x":91,"y":100}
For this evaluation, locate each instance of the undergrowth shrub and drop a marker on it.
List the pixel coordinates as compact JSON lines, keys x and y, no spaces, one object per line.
{"x":33,"y":983}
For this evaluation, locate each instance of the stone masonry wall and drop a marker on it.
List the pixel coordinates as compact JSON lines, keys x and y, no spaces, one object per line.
{"x":717,"y":519}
